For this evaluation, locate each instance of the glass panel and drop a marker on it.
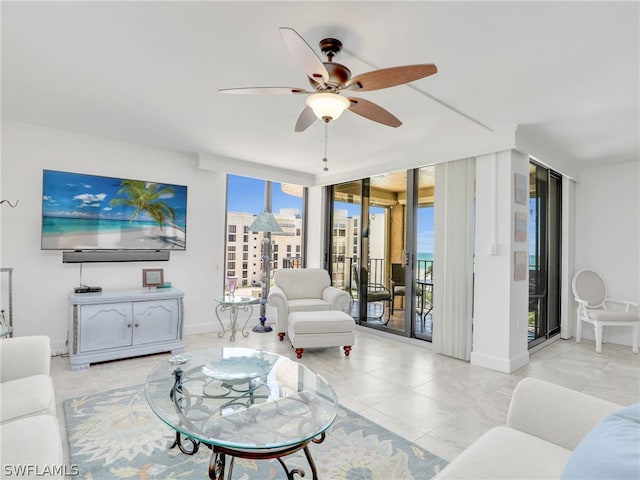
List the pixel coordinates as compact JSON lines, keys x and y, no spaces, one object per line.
{"x":555,"y":249}
{"x":288,"y":207}
{"x":345,"y":237}
{"x":537,"y":252}
{"x":424,"y":261}
{"x":247,"y":198}
{"x":387,"y":247}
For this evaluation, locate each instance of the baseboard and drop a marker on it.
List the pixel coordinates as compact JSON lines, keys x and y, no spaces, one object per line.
{"x":200,"y":328}
{"x":58,"y":348}
{"x":505,"y":365}
{"x":209,"y":327}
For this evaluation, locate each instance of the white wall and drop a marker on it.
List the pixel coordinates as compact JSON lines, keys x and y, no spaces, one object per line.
{"x":42,"y":282}
{"x":607,"y":232}
{"x":500,"y":302}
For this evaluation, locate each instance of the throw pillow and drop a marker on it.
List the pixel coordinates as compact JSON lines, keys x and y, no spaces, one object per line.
{"x":611,"y":450}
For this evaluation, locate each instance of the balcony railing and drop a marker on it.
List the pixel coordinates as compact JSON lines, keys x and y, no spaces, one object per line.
{"x":292,"y":262}
{"x":343,"y":270}
{"x":342,"y":267}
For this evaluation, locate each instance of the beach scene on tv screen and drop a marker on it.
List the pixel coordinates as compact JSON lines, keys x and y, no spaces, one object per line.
{"x":81,"y":212}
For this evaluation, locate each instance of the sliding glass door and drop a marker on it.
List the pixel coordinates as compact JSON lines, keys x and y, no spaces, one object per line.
{"x":382,"y":249}
{"x":367,"y":244}
{"x":545,"y":209}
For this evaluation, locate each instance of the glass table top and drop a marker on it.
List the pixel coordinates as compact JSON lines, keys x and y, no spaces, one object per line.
{"x":241,"y":398}
{"x":236,"y":300}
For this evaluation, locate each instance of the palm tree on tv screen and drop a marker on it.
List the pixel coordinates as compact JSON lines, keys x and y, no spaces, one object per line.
{"x":145,"y":197}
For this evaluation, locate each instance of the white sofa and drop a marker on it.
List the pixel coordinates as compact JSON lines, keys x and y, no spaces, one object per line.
{"x":29,"y":432}
{"x":303,"y":290}
{"x":545,"y":424}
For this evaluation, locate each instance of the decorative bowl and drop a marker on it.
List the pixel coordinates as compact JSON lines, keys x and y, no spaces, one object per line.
{"x":237,"y":368}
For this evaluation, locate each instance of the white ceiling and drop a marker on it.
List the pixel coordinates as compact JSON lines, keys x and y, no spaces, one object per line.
{"x":566,"y":73}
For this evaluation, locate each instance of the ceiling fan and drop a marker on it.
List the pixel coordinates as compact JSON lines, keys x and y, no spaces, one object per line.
{"x":330,"y":80}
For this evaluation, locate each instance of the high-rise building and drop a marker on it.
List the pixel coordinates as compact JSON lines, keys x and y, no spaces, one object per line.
{"x":244,"y":248}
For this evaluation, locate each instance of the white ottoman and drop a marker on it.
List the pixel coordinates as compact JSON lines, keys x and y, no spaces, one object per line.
{"x":329,"y":328}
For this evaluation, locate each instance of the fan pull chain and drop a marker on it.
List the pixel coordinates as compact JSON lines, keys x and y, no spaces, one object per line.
{"x":326,"y":126}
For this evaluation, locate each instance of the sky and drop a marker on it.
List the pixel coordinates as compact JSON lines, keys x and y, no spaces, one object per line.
{"x":246,"y":194}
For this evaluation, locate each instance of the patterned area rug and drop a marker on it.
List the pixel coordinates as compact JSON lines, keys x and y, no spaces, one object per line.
{"x":115,"y":435}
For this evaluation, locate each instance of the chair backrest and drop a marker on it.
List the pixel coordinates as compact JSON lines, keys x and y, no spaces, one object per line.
{"x":588,"y":285}
{"x":300,"y":283}
{"x":355,"y":278}
{"x":397,"y":274}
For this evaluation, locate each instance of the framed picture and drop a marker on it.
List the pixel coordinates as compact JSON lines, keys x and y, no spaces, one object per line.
{"x":520,"y":185}
{"x":519,"y":266}
{"x":152,"y":277}
{"x":520,"y":227}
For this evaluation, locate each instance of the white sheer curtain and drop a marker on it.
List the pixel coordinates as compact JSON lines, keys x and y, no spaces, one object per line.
{"x":453,"y":258}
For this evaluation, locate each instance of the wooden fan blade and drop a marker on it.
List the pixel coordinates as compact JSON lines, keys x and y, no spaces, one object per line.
{"x":264,"y":90}
{"x":306,"y":118}
{"x":389,"y":77}
{"x":374,"y":112}
{"x":305,"y":56}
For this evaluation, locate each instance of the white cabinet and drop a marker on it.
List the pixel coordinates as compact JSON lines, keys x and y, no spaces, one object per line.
{"x":126,"y":323}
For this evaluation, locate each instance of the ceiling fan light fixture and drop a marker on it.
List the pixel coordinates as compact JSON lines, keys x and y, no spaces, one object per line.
{"x":328,"y":106}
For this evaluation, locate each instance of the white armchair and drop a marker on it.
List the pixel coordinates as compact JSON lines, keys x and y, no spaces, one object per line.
{"x":29,"y":432}
{"x":26,"y":388}
{"x":596,"y":308}
{"x":303,"y":290}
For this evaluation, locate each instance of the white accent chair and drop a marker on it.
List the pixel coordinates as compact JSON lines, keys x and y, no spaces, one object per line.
{"x":303,"y":290}
{"x":596,"y":308}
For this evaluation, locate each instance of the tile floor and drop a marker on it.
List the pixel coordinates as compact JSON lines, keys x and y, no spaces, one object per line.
{"x":440,"y":403}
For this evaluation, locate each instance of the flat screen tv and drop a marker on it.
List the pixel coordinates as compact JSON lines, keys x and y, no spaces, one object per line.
{"x":90,"y":212}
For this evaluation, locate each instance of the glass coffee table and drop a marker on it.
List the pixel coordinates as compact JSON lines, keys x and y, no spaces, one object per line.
{"x":242,"y":402}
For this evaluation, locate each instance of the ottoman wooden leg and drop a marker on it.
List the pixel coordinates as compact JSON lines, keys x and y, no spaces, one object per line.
{"x":347,"y":350}
{"x":299,"y":352}
{"x":281,"y":335}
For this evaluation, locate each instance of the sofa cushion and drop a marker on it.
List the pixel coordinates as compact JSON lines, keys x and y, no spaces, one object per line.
{"x":24,"y":356}
{"x":613,"y":315}
{"x":505,"y":453}
{"x":308,"y":305}
{"x":32,"y":441}
{"x":302,"y":283}
{"x":611,"y":450}
{"x":27,"y":396}
{"x":331,"y":321}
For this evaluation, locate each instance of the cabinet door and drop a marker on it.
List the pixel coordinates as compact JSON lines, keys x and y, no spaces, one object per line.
{"x":105,"y":326}
{"x":155,"y":321}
